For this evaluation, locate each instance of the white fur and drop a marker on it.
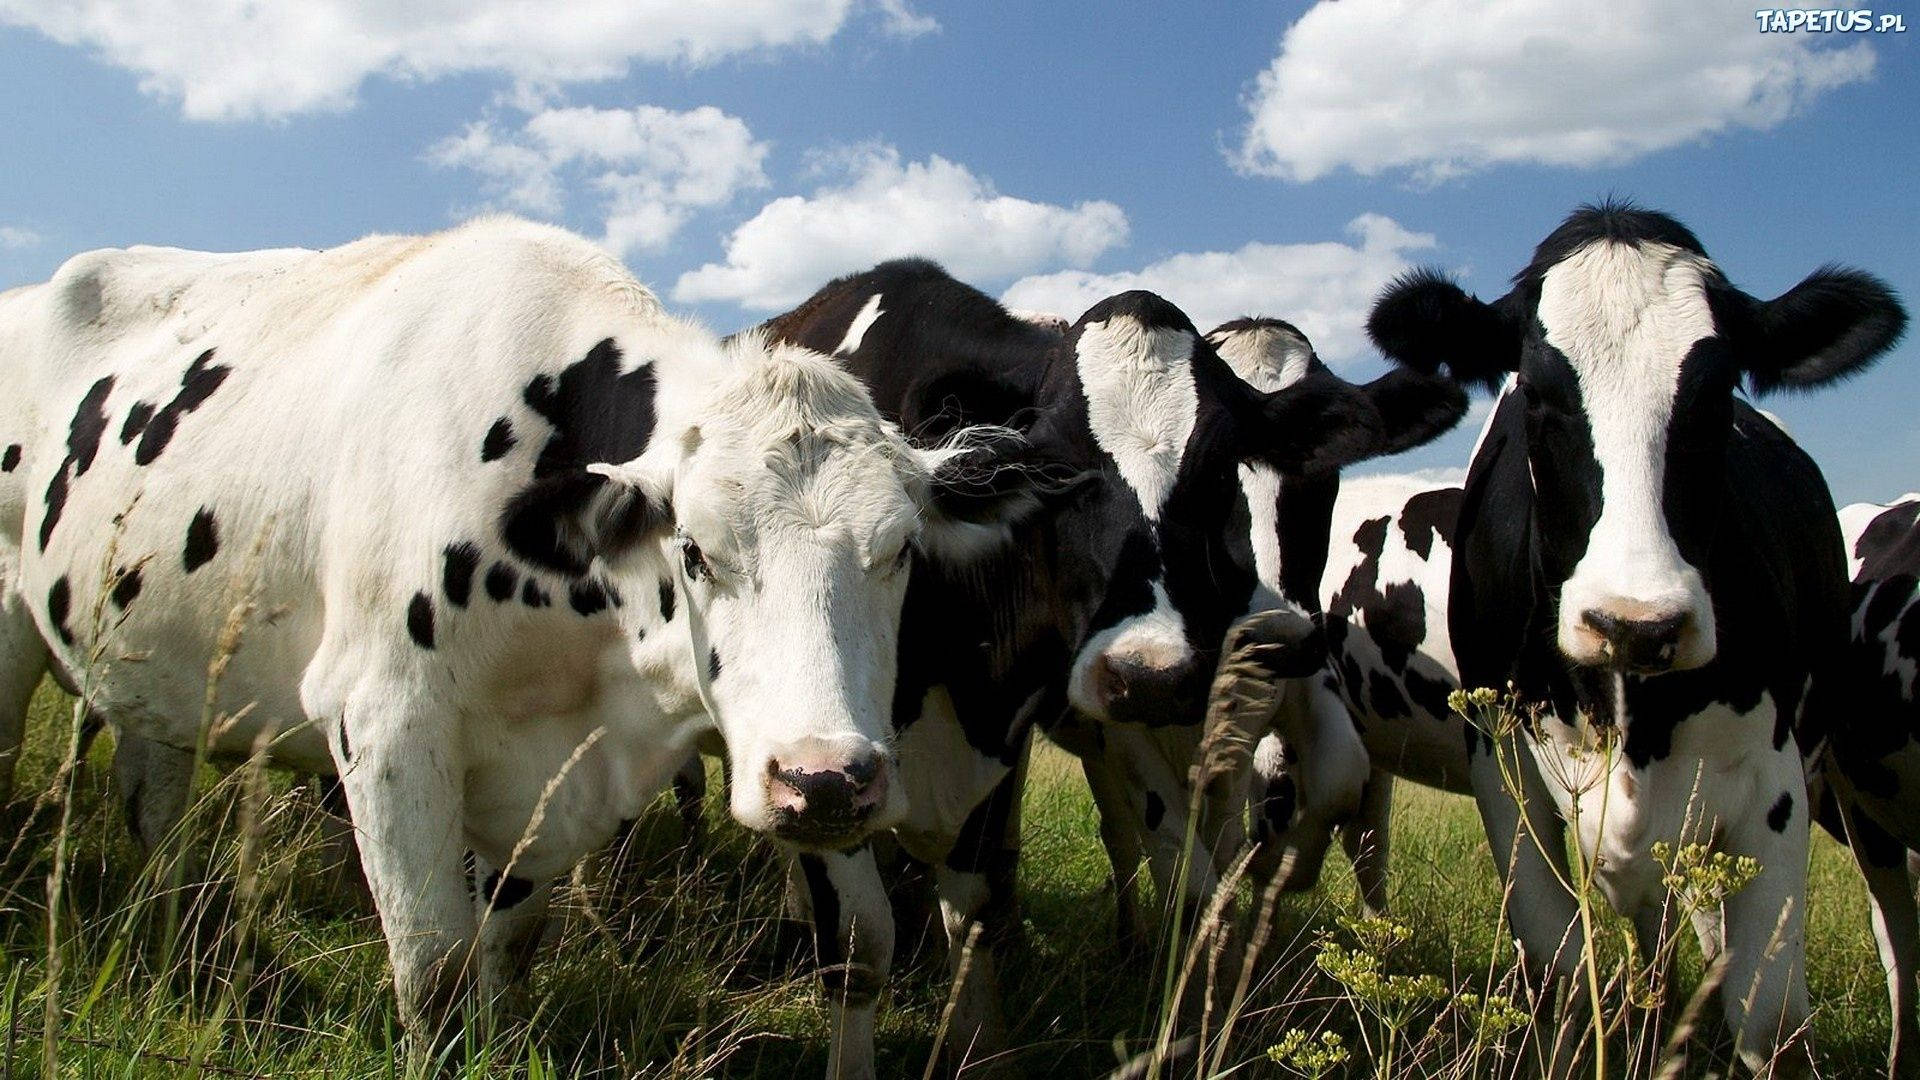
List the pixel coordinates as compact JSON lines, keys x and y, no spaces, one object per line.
{"x":1625,"y":315}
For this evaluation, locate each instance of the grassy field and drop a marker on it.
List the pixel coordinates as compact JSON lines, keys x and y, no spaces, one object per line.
{"x":671,"y":966}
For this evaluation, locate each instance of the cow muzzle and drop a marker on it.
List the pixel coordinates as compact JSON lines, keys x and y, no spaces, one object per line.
{"x":1128,"y":690}
{"x":825,"y":801}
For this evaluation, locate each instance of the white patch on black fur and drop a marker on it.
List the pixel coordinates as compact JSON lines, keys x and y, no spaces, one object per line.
{"x":1141,"y":401}
{"x":857,"y":329}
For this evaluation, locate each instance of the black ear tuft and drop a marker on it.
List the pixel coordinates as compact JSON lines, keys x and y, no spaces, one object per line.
{"x":939,"y":406}
{"x":1415,"y":408}
{"x":1425,"y":322}
{"x":1832,"y":325}
{"x":1315,"y":426}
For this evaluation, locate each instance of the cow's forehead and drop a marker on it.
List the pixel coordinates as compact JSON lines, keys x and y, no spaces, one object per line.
{"x":1142,"y":401}
{"x":1625,"y":314}
{"x":793,"y":445}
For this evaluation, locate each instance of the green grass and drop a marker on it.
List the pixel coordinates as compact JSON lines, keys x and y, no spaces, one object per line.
{"x":686,"y":970}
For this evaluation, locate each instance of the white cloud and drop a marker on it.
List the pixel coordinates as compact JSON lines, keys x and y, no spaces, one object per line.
{"x":1326,"y":289}
{"x":243,"y":59}
{"x":652,"y":167}
{"x":1418,"y":85}
{"x":875,"y":207}
{"x":13,"y":237}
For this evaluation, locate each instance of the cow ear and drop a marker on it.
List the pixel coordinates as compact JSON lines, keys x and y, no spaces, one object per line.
{"x":631,"y":508}
{"x":985,"y":481}
{"x":1425,"y":322}
{"x":1415,"y":408}
{"x":1831,"y":325}
{"x":563,"y":521}
{"x":933,"y":409}
{"x":1313,"y":426}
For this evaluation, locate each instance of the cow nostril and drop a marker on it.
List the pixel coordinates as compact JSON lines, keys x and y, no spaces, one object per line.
{"x":1647,"y":645}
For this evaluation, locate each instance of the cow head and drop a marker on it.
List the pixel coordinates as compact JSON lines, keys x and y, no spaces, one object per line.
{"x":786,"y":513}
{"x":1627,"y":345}
{"x":1173,"y":425}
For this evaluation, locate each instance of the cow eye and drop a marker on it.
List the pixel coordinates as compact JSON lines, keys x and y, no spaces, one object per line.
{"x":901,"y":560}
{"x":694,"y":560}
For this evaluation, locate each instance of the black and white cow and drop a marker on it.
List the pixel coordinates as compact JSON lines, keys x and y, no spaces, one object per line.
{"x":1390,"y":661}
{"x":1141,"y":778}
{"x":1114,"y":604}
{"x":1875,"y":761}
{"x":504,"y":536}
{"x":1657,"y":568}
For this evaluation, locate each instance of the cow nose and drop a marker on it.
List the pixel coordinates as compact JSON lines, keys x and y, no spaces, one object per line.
{"x":1643,"y":646}
{"x":826,"y":804}
{"x":1139,"y":693}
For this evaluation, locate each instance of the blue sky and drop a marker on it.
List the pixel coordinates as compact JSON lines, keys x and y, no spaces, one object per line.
{"x":1274,"y":158}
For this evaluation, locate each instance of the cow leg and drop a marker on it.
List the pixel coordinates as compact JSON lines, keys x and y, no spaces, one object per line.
{"x":976,"y":1031}
{"x":1315,"y":772}
{"x":1764,"y":994}
{"x":1528,"y":842}
{"x":1366,"y":841}
{"x":155,"y":782}
{"x":1896,"y":930}
{"x":1120,"y":831}
{"x":23,"y":660}
{"x":404,"y":785}
{"x":853,"y":937}
{"x":511,"y":914}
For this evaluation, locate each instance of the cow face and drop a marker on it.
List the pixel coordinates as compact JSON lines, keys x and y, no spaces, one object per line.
{"x":1174,"y":426}
{"x":788,"y":513}
{"x":1628,"y":344}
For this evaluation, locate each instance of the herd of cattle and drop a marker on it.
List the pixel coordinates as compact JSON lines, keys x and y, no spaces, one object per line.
{"x":518,"y":541}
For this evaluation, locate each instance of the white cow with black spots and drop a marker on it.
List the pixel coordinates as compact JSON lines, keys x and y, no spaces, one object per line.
{"x":514,"y":535}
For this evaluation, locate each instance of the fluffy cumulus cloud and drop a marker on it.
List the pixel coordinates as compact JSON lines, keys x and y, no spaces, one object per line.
{"x":874,"y":206}
{"x":651,"y":168}
{"x":13,"y":237}
{"x":1415,"y":86}
{"x":1323,"y":288}
{"x":240,"y":59}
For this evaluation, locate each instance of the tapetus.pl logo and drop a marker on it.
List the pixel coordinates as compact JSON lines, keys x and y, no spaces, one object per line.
{"x":1829,"y":21}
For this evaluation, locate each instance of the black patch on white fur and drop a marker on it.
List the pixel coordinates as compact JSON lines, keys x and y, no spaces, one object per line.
{"x":83,"y":442}
{"x":10,"y":458}
{"x":456,"y":580}
{"x":598,"y":414}
{"x":137,"y":419}
{"x":713,"y":664}
{"x":532,"y":595}
{"x":203,"y":540}
{"x":501,"y":581}
{"x":1782,"y":810}
{"x":59,"y":604}
{"x":666,"y":600}
{"x":197,"y":384}
{"x":587,"y":597}
{"x":1428,"y":516}
{"x":499,"y":440}
{"x":420,"y":620}
{"x":126,"y":587}
{"x":505,"y":891}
